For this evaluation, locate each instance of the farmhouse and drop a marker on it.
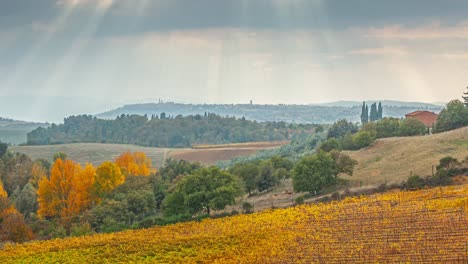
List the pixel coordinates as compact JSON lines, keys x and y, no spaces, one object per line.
{"x":426,"y":117}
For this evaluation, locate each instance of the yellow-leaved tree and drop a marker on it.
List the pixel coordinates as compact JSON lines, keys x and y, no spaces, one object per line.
{"x":37,"y":173}
{"x":68,"y":191}
{"x":134,"y":164}
{"x":108,"y":177}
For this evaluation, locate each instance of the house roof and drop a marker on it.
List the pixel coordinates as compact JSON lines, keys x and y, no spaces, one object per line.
{"x":415,"y":113}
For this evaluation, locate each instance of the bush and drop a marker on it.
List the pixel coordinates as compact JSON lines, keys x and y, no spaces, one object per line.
{"x":412,"y":127}
{"x":362,"y":139}
{"x":415,"y":182}
{"x":299,"y":200}
{"x":330,"y":144}
{"x":247,"y":208}
{"x":336,"y":196}
{"x":81,"y":230}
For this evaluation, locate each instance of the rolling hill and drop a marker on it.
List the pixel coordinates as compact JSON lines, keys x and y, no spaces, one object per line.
{"x":97,"y":153}
{"x":15,"y":132}
{"x":426,"y":226}
{"x":392,"y":160}
{"x":314,"y":113}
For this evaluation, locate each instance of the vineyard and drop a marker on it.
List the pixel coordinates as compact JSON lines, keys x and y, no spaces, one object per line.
{"x":397,"y":227}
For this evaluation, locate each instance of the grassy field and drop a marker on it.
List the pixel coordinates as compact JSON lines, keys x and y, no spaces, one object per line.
{"x":426,"y":226}
{"x":392,"y":160}
{"x":92,"y":152}
{"x":98,"y":153}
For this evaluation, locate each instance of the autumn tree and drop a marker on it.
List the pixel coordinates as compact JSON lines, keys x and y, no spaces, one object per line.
{"x":108,"y":177}
{"x":38,"y":171}
{"x":3,"y":193}
{"x":136,"y":164}
{"x":68,"y":191}
{"x":13,"y":227}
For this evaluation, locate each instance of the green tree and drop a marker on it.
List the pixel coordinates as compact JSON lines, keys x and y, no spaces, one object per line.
{"x":362,"y":139}
{"x":59,"y":155}
{"x":453,"y":116}
{"x":387,"y":127}
{"x":266,"y":178}
{"x":314,"y":172}
{"x":248,"y":173}
{"x":412,"y":127}
{"x":341,"y":128}
{"x":159,"y":190}
{"x":3,"y":149}
{"x":207,"y":189}
{"x":26,"y":202}
{"x":330,"y":144}
{"x":343,"y":163}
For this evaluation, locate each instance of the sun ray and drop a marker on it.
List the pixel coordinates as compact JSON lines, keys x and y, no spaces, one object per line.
{"x":37,"y":48}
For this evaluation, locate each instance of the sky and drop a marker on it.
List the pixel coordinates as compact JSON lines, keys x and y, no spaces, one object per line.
{"x":61,"y":57}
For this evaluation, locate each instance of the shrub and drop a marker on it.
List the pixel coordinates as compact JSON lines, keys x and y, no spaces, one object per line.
{"x":412,"y":127}
{"x":415,"y":182}
{"x":247,"y":208}
{"x":299,"y":200}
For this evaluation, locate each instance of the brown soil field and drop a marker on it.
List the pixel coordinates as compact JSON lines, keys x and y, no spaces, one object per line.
{"x":263,"y":145}
{"x":211,"y":154}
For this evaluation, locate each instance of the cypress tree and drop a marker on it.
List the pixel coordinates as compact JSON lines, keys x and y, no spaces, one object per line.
{"x":380,"y":111}
{"x":364,"y":114}
{"x":374,"y":115}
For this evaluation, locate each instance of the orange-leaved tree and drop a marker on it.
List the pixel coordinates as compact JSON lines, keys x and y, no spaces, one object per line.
{"x":134,"y":164}
{"x":3,"y":193}
{"x":13,"y":227}
{"x":68,"y":191}
{"x":108,"y":177}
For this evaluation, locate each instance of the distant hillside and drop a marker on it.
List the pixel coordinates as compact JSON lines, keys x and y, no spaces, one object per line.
{"x":164,"y":131}
{"x":388,"y":103}
{"x":318,"y":114}
{"x":15,"y":132}
{"x":392,"y":160}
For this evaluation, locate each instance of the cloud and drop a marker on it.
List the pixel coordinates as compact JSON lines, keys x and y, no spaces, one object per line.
{"x":434,"y":30}
{"x":100,"y":4}
{"x":395,"y":51}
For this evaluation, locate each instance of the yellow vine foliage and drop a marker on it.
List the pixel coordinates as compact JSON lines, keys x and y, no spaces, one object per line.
{"x":426,"y":226}
{"x":136,"y":164}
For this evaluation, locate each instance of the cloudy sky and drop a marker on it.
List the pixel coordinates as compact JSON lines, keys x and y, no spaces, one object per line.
{"x":108,"y":52}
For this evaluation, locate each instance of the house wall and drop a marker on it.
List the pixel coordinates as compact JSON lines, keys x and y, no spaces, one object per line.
{"x":427,"y":118}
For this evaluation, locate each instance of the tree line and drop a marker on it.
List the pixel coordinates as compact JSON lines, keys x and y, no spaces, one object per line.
{"x":163,"y":131}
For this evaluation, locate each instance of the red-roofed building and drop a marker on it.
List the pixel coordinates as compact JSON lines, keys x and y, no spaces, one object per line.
{"x":426,"y":117}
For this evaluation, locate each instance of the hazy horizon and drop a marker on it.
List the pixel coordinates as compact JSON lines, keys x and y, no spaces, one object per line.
{"x":102,"y":54}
